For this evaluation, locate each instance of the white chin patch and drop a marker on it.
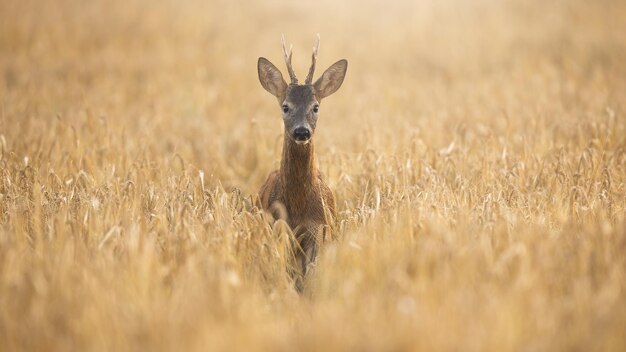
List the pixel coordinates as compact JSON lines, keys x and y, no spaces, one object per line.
{"x":302,"y":142}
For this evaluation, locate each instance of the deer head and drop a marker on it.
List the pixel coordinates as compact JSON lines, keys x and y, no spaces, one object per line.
{"x":300,"y":102}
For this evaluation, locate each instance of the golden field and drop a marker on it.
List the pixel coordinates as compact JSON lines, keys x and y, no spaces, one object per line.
{"x":477,"y":151}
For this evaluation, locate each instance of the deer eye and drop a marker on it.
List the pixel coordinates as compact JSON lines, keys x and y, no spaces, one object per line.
{"x":285,"y":109}
{"x":316,"y":108}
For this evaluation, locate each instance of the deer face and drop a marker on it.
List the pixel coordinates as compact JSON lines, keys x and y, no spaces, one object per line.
{"x":300,"y":109}
{"x":300,"y":103}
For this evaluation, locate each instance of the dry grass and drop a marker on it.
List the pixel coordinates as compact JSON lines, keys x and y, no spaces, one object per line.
{"x":477,"y":151}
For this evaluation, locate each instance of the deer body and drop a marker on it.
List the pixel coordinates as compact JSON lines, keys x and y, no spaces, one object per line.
{"x":297,"y":192}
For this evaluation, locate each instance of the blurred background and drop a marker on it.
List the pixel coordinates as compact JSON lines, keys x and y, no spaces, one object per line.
{"x":186,"y":71}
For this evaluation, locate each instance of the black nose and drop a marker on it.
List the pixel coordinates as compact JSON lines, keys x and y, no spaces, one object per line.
{"x":301,"y":134}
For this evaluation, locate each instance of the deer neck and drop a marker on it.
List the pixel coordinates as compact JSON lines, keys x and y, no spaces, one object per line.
{"x":298,"y":172}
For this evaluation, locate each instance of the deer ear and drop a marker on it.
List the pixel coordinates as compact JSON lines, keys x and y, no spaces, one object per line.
{"x":271,"y":78}
{"x":331,"y":79}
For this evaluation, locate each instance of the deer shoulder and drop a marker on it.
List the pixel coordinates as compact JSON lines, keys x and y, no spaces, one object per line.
{"x":265,"y":193}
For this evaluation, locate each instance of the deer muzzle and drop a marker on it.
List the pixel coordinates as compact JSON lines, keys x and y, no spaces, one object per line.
{"x":302,"y":135}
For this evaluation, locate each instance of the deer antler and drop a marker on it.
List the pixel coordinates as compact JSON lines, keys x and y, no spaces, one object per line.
{"x":316,"y":48}
{"x":292,"y":74}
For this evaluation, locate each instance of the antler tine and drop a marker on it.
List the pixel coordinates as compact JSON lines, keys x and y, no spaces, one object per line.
{"x":316,"y":48}
{"x":292,"y":74}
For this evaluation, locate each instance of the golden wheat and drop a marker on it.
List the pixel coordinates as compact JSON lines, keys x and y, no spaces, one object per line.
{"x":477,"y":151}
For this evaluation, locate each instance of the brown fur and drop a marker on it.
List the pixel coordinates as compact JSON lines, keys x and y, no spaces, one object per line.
{"x":299,"y":190}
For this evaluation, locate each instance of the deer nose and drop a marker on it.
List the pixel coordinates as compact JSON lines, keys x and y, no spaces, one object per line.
{"x":301,"y":134}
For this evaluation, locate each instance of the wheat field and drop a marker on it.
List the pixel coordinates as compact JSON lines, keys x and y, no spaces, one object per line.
{"x":477,"y":152}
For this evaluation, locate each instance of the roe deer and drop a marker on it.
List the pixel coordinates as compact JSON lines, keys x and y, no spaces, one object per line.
{"x":297,"y":191}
